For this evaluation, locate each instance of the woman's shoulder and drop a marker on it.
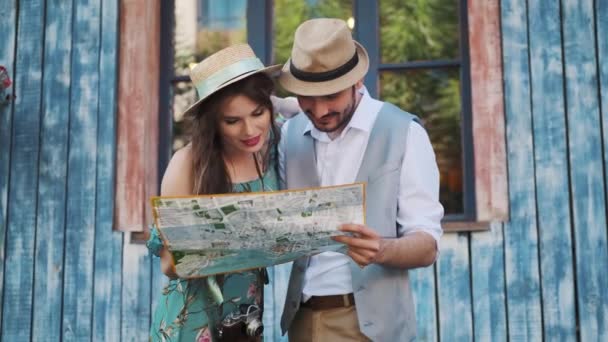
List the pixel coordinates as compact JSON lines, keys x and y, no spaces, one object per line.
{"x":177,"y":180}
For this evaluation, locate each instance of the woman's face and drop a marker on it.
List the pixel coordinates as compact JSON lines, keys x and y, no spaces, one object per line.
{"x":244,"y":125}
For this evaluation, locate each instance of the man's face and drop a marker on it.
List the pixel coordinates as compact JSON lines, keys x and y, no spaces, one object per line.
{"x":331,"y":113}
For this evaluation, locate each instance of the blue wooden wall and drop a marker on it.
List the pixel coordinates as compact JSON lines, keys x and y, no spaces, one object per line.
{"x":65,"y":275}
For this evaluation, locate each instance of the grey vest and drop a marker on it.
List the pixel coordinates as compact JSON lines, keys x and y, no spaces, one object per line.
{"x":385,"y":307}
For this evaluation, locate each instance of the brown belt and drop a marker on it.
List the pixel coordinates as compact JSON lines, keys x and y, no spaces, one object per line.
{"x":329,"y":302}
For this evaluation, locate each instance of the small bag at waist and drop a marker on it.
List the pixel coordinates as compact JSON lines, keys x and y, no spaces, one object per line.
{"x":329,"y":302}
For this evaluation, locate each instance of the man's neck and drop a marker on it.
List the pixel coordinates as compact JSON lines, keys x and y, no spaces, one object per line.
{"x":334,"y":134}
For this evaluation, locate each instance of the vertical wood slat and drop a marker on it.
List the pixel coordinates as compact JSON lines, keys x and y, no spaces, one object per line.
{"x":551,"y":165}
{"x":454,"y":289}
{"x":521,"y":240}
{"x":152,"y":69}
{"x":136,"y":275}
{"x":129,"y":209}
{"x":601,"y":24}
{"x":22,"y":193}
{"x":268,"y":318}
{"x":159,"y":281}
{"x":422,"y":281}
{"x":488,"y":283}
{"x":137,"y":131}
{"x":491,"y":193}
{"x":8,"y":31}
{"x":274,"y":300}
{"x":82,"y":167}
{"x":108,"y":243}
{"x":49,"y":253}
{"x":586,"y":169}
{"x":282,"y":273}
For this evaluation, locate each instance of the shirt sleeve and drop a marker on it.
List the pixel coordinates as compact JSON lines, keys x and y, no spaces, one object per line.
{"x":418,"y":203}
{"x":282,"y":142}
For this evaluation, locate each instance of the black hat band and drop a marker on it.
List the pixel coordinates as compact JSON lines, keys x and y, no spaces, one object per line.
{"x":325,"y":75}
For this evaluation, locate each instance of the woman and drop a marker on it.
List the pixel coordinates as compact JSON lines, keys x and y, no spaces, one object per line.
{"x":232,"y":146}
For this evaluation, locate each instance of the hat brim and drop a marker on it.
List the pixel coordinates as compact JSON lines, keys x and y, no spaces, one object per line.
{"x":272,"y":71}
{"x":304,"y":88}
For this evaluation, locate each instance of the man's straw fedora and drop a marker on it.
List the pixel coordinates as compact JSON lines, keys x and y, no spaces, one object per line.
{"x":325,"y":59}
{"x":224,"y":68}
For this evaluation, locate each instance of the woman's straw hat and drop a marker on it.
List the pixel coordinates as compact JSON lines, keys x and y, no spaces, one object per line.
{"x":325,"y":59}
{"x":223,"y":68}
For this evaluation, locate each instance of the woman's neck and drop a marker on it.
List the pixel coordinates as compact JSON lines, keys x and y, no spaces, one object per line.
{"x":242,"y":167}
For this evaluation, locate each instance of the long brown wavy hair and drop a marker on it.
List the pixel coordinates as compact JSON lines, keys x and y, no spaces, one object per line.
{"x":209,"y":170}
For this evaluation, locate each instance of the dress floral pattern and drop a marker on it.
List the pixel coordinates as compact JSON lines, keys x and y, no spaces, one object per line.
{"x":190,"y":310}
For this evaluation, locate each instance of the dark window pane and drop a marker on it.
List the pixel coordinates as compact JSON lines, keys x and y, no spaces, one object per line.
{"x":203,"y":27}
{"x":288,"y":14}
{"x":418,"y":30}
{"x":434,"y":95}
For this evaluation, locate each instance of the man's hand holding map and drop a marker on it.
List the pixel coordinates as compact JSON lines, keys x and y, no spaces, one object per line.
{"x":214,"y":234}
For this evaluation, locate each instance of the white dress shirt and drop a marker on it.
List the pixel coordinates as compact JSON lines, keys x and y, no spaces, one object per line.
{"x":338,"y":162}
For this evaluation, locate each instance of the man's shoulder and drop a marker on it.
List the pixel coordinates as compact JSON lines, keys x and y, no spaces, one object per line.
{"x":394,"y":116}
{"x":295,"y":124}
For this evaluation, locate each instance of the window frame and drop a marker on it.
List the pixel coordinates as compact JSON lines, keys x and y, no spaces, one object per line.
{"x":137,"y":133}
{"x":487,"y":144}
{"x":367,"y":32}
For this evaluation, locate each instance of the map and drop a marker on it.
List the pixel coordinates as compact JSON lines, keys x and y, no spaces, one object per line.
{"x":227,"y":233}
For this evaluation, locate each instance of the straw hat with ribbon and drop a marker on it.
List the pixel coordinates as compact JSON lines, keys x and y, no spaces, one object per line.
{"x":325,"y":59}
{"x":223,"y":68}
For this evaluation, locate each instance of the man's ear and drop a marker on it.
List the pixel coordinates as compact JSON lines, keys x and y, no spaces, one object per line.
{"x":359,"y":84}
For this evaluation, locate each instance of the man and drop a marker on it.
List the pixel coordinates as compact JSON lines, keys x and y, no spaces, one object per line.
{"x":346,"y":136}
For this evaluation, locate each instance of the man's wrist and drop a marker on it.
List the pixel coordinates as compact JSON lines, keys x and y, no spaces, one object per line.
{"x":383,"y":246}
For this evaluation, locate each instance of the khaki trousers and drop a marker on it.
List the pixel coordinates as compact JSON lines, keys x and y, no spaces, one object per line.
{"x":332,"y":325}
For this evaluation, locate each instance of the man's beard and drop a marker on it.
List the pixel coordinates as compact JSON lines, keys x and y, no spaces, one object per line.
{"x":347,"y":115}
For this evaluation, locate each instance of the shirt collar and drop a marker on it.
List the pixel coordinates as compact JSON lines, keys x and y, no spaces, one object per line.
{"x":363,"y":118}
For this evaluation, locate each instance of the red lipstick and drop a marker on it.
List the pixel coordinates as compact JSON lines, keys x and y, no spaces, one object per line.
{"x":251,"y":142}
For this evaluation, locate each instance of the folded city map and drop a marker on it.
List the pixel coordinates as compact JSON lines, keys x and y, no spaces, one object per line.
{"x":213,"y":234}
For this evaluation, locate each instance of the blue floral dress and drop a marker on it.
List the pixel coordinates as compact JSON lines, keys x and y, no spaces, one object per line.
{"x":190,"y":310}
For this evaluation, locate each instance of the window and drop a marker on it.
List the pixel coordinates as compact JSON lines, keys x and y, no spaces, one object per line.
{"x":420,"y":62}
{"x":423,"y":69}
{"x":420,"y":53}
{"x":204,"y":27}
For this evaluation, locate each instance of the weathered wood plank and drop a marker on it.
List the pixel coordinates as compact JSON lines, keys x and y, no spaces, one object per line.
{"x":108,"y":280}
{"x":270,"y":330}
{"x":82,"y":168}
{"x":8,"y":32}
{"x":422,"y":281}
{"x":520,"y":233}
{"x":23,"y":187}
{"x":136,"y":169}
{"x":586,"y":168}
{"x":130,"y":162}
{"x":108,"y":244}
{"x":488,"y":282}
{"x":151,"y":86}
{"x":159,"y":281}
{"x":491,"y":193}
{"x":551,"y":164}
{"x":601,"y":24}
{"x":454,"y":289}
{"x":48,"y":279}
{"x":136,"y":274}
{"x":274,"y":300}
